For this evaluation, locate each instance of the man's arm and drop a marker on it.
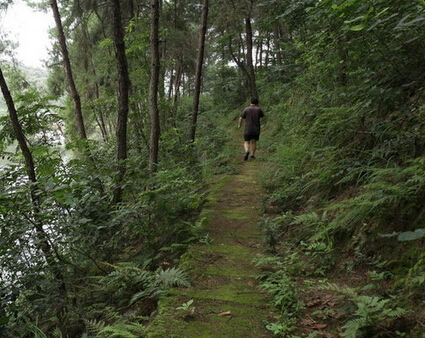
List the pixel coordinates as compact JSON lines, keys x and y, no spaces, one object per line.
{"x":240,"y":122}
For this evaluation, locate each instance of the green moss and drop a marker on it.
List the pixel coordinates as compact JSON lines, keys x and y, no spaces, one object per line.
{"x":244,"y":321}
{"x":229,"y":271}
{"x":239,"y":252}
{"x":237,"y":291}
{"x":238,"y":213}
{"x":222,"y":273}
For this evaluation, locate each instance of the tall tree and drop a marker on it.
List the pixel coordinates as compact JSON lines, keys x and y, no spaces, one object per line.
{"x":153,"y":88}
{"x":278,"y":50}
{"x":249,"y":62}
{"x":123,"y":98}
{"x":68,"y":70}
{"x":198,"y":75}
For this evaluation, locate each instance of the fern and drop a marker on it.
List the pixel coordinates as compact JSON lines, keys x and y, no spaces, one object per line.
{"x":57,"y":333}
{"x":285,"y":292}
{"x":127,"y":279}
{"x":151,"y":292}
{"x":372,"y":311}
{"x":349,"y":293}
{"x":161,"y":281}
{"x":171,"y":277}
{"x":95,"y":326}
{"x":352,"y":327}
{"x":267,"y":261}
{"x":36,"y":331}
{"x":121,"y":330}
{"x":392,"y":188}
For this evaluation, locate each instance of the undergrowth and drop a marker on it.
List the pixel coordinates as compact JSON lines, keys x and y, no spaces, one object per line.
{"x":345,"y":198}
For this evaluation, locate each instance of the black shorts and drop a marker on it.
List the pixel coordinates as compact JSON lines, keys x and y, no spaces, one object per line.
{"x":249,"y":137}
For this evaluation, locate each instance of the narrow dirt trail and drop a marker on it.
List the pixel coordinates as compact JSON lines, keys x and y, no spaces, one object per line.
{"x":227,"y":301}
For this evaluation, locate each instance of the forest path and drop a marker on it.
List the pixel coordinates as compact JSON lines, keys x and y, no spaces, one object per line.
{"x":227,"y":301}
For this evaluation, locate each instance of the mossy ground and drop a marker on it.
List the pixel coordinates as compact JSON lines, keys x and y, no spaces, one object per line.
{"x":222,"y":272}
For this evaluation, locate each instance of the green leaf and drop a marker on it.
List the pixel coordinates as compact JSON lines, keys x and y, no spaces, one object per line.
{"x":394,"y":234}
{"x":411,"y":235}
{"x":357,"y":28}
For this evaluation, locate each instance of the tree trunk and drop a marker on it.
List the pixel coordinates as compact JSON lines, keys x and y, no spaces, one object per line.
{"x":249,"y":63}
{"x":277,"y":40}
{"x":259,"y":53}
{"x":123,"y":98}
{"x":153,"y":88}
{"x":176,"y":92}
{"x":170,"y":84}
{"x":68,"y":70}
{"x":198,"y":76}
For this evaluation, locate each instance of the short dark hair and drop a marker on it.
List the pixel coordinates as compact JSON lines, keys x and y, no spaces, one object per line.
{"x":254,"y":100}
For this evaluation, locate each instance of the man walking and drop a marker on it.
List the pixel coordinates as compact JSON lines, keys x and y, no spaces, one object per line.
{"x":252,"y":116}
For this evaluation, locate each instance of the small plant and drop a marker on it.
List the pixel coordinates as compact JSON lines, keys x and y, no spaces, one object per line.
{"x":385,"y":275}
{"x":206,"y":239}
{"x":284,"y":291}
{"x":268,"y":262}
{"x":320,"y":255}
{"x":122,"y":330}
{"x":36,"y":331}
{"x":187,"y":309}
{"x":273,"y":231}
{"x":372,"y":313}
{"x":283,"y":328}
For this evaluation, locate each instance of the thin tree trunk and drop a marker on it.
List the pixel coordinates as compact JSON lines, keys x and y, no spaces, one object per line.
{"x":267,"y":57}
{"x":238,"y":61}
{"x":101,"y":124}
{"x":198,"y":76}
{"x":259,"y":53}
{"x":153,"y":88}
{"x":177,"y":83}
{"x":68,"y":70}
{"x":249,"y":63}
{"x":170,"y":84}
{"x":123,"y":98}
{"x":277,"y":39}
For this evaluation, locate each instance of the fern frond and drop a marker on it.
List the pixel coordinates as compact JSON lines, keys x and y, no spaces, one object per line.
{"x":149,"y":293}
{"x":57,"y":333}
{"x":93,"y":326}
{"x":38,"y":333}
{"x":121,"y":330}
{"x":307,"y":218}
{"x":111,"y":315}
{"x":172,"y":277}
{"x":272,"y":260}
{"x":350,"y":293}
{"x":353,"y":326}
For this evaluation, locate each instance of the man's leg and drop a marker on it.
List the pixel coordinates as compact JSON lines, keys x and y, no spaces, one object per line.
{"x":246,"y":147}
{"x":253,"y":147}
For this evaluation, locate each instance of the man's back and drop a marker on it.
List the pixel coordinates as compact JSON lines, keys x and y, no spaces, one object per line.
{"x":252,"y":116}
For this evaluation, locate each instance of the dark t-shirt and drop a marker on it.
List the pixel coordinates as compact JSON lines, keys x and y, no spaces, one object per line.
{"x":252,"y":116}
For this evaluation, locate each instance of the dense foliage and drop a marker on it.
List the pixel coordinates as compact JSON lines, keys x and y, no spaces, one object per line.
{"x":347,"y":145}
{"x":341,"y":82}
